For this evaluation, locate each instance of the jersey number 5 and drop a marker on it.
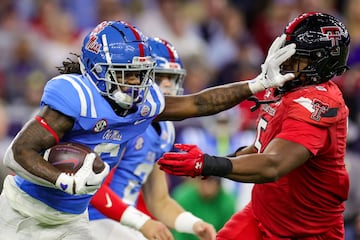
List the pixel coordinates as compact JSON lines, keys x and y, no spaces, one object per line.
{"x":261,"y":127}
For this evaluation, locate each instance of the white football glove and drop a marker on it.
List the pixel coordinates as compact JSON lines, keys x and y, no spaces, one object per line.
{"x":84,"y":181}
{"x":270,"y":75}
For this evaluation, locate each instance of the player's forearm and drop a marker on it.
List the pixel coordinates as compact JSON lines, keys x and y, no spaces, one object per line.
{"x":254,"y":168}
{"x":175,"y":217}
{"x":10,"y":162}
{"x":166,"y":211}
{"x":216,"y":99}
{"x":207,"y":102}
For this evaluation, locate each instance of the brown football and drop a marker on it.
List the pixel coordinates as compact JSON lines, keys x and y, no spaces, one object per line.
{"x":69,"y":157}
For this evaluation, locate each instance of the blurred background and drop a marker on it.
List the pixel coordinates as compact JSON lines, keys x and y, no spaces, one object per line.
{"x":220,"y":41}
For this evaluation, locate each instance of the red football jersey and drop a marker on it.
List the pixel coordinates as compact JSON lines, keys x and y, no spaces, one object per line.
{"x":309,"y":199}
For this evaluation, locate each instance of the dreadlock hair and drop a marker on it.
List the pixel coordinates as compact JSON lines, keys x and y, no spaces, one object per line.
{"x":70,"y":66}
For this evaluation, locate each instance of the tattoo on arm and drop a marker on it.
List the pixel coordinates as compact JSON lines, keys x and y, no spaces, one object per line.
{"x":217,"y":99}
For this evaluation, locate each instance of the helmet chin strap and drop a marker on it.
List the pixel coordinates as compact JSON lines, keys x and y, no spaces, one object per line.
{"x":259,"y":102}
{"x":124,"y":100}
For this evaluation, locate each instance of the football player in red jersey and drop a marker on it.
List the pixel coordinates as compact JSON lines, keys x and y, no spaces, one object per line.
{"x":297,"y":159}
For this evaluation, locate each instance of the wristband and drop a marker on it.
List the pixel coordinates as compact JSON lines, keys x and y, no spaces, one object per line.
{"x":185,"y":221}
{"x":133,"y":218}
{"x":65,"y":183}
{"x":216,"y":166}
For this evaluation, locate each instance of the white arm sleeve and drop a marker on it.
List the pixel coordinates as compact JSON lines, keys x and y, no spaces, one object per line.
{"x":11,"y":163}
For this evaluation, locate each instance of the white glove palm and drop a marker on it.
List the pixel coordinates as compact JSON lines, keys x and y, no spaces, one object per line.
{"x":85,"y":180}
{"x":270,"y":75}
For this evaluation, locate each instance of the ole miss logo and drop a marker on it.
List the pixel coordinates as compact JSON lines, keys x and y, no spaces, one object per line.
{"x":333,"y":34}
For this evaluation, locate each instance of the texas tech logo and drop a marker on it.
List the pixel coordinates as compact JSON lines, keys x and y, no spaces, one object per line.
{"x":319,"y":109}
{"x":333,"y":34}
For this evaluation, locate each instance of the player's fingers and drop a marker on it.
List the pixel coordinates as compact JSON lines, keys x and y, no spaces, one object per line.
{"x":277,"y":43}
{"x":175,"y":156}
{"x":273,"y":46}
{"x":288,"y":76}
{"x":105,"y":171}
{"x":87,"y":166}
{"x":89,"y":159}
{"x":165,"y":169}
{"x":184,"y":147}
{"x":169,"y":163}
{"x":284,"y":53}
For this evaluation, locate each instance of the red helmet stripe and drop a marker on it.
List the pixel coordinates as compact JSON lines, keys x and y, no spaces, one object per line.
{"x":292,"y":25}
{"x":170,"y":50}
{"x":137,"y":37}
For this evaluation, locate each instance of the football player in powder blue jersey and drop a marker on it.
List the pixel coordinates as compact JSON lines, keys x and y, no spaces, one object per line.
{"x":101,"y":100}
{"x":115,"y":202}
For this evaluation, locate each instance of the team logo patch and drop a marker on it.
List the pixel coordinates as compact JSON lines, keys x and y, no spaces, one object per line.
{"x":320,"y":109}
{"x":100,"y":125}
{"x":145,"y":110}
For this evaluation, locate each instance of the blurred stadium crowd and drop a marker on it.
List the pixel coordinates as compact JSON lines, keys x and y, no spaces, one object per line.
{"x":219,"y":41}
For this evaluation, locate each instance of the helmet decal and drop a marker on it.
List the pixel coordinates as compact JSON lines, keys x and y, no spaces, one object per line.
{"x":333,"y":34}
{"x":92,"y":44}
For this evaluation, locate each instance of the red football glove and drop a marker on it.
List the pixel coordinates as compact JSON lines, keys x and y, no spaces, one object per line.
{"x":190,"y":162}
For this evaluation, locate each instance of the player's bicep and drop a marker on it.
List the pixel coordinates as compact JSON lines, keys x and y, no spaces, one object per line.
{"x":57,"y":121}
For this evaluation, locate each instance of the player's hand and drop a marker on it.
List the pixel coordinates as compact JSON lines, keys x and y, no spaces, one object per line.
{"x":270,"y":75}
{"x":85,"y":180}
{"x":204,"y":231}
{"x":155,"y":230}
{"x":189,"y":162}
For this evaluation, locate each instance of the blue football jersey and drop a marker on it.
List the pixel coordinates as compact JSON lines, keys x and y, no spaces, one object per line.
{"x":96,"y":126}
{"x":141,"y":154}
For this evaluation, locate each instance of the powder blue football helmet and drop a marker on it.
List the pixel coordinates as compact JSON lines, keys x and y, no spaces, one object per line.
{"x":168,"y":62}
{"x":113,"y":50}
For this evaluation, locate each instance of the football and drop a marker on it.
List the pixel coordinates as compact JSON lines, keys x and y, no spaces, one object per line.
{"x":69,"y":157}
